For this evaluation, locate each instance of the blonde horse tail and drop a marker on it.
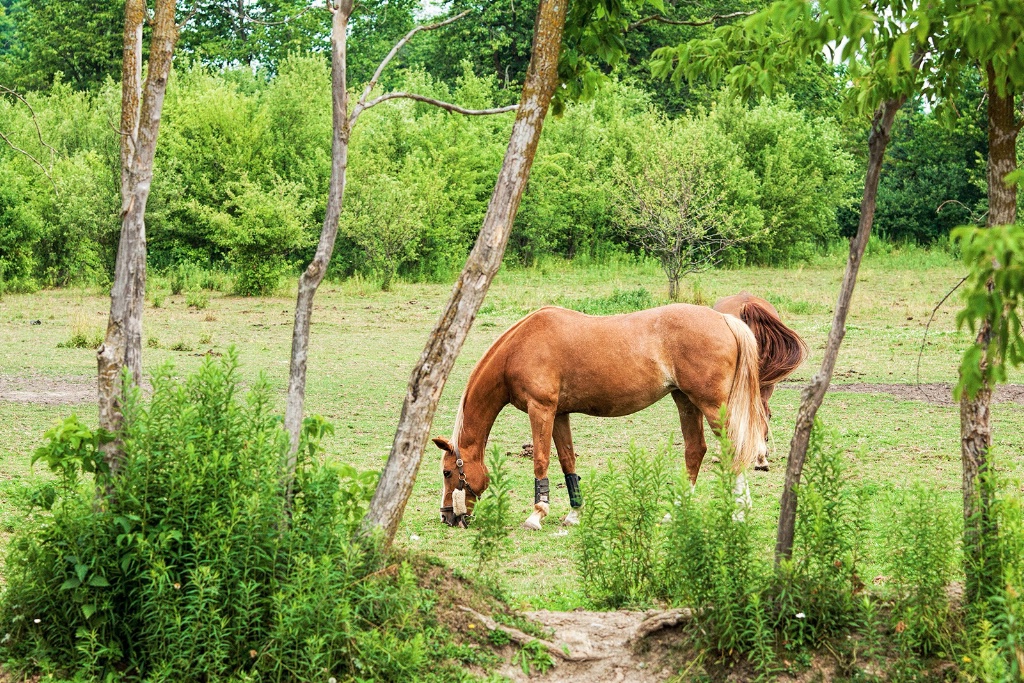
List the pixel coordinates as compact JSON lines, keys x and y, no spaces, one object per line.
{"x":746,"y":418}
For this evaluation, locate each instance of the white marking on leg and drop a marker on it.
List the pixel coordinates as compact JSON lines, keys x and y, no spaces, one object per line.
{"x":540,"y":511}
{"x":571,"y":519}
{"x":743,"y":502}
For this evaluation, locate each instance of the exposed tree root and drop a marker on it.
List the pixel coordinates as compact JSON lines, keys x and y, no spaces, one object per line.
{"x":522,"y":638}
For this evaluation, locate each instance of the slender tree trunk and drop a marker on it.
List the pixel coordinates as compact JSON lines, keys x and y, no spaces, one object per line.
{"x":314,"y":273}
{"x":446,"y":339}
{"x":814,"y":393}
{"x":122,"y":345}
{"x":975,"y":417}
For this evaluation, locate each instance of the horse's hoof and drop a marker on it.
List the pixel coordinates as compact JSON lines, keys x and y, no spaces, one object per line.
{"x":532,"y":522}
{"x":571,"y":519}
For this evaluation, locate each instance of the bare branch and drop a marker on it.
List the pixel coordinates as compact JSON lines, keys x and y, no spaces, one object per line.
{"x":286,"y":20}
{"x":35,"y":120}
{"x":36,"y":161}
{"x":687,"y":22}
{"x":398,"y":46}
{"x":447,"y":106}
{"x":191,"y":13}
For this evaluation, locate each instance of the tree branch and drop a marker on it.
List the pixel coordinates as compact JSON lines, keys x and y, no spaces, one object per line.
{"x":394,"y":51}
{"x":35,"y":120}
{"x":684,"y":22}
{"x":447,"y":106}
{"x":36,"y":161}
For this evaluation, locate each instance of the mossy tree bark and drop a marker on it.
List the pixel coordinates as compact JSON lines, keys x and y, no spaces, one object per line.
{"x":140,"y":125}
{"x":975,"y":415}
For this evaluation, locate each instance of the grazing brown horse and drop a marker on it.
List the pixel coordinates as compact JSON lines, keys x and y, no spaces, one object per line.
{"x":781,"y":350}
{"x":555,"y":362}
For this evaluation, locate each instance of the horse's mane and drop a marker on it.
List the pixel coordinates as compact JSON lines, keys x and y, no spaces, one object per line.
{"x":781,"y":349}
{"x":457,"y":427}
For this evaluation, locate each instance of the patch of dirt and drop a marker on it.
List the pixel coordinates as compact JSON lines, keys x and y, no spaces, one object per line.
{"x":935,"y":393}
{"x":47,"y":390}
{"x":604,"y":647}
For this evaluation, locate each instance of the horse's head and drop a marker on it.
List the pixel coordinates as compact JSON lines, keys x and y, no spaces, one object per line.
{"x":458,"y":474}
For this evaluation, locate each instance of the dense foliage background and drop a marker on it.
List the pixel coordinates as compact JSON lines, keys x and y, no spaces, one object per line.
{"x":243,"y":160}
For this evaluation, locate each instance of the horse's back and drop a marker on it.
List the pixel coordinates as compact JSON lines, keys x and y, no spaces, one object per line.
{"x":615,"y":365}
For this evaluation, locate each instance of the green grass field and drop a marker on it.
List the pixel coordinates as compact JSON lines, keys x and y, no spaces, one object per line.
{"x":365,"y":343}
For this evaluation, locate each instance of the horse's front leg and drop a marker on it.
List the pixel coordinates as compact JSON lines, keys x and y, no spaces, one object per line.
{"x":542,"y":420}
{"x":567,"y":459}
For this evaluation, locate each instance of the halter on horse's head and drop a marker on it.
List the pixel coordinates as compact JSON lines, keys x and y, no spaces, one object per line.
{"x":456,"y":492}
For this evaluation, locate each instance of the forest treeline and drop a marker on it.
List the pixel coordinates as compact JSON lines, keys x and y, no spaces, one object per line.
{"x":244,"y":155}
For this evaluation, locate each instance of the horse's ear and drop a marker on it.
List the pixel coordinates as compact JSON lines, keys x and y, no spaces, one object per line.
{"x":443,"y":444}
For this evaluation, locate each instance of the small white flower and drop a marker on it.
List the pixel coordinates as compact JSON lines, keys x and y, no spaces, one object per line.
{"x":800,"y":615}
{"x":412,"y":537}
{"x":332,"y":679}
{"x":36,"y":621}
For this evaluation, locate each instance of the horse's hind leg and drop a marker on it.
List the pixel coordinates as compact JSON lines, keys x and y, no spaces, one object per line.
{"x":567,"y":459}
{"x":542,"y":419}
{"x":740,"y":489}
{"x":691,"y":419}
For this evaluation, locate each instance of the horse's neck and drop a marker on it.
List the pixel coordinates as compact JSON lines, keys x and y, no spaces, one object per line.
{"x":484,"y":398}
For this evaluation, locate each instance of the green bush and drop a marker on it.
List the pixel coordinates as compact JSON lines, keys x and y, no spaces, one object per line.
{"x":619,"y":537}
{"x":492,"y":515}
{"x":190,"y":569}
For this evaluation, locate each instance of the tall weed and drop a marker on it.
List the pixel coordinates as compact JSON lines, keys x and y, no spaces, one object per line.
{"x":711,"y":563}
{"x":921,"y":559}
{"x":815,"y":590}
{"x":619,"y":536}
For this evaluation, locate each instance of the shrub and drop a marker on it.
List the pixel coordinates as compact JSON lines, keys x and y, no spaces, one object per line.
{"x":190,"y":569}
{"x":619,"y":536}
{"x":197,"y":300}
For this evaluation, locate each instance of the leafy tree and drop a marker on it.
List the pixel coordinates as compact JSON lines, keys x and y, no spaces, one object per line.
{"x":382,"y":218}
{"x":691,"y":200}
{"x":80,"y":40}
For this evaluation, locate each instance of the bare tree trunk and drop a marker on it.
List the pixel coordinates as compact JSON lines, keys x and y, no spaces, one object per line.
{"x":814,"y":393}
{"x":975,"y":417}
{"x":446,"y":339}
{"x":343,"y":123}
{"x":314,"y":273}
{"x":122,"y":346}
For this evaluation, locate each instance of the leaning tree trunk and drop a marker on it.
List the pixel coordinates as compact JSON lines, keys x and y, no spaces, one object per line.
{"x":314,"y":273}
{"x":122,"y":345}
{"x":814,"y":393}
{"x":446,"y":339}
{"x":975,"y":418}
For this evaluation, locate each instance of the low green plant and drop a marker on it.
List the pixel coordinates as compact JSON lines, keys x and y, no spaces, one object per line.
{"x":492,"y":515}
{"x":153,"y":343}
{"x":619,"y":536}
{"x":158,"y":299}
{"x":181,"y":345}
{"x":190,"y":568}
{"x":197,"y":299}
{"x":533,"y":656}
